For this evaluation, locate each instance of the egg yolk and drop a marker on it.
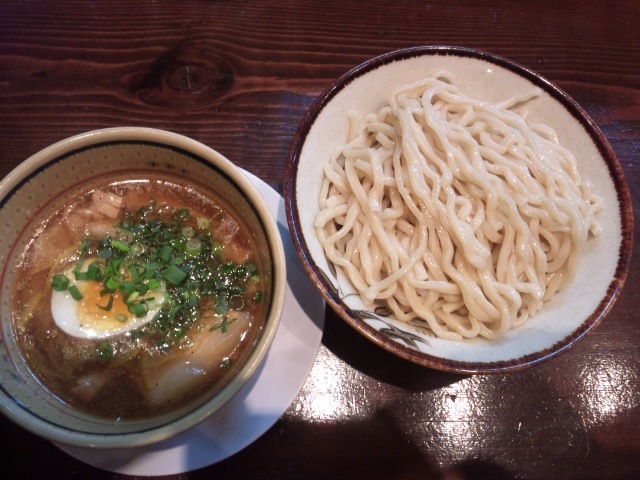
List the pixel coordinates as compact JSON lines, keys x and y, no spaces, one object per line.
{"x":90,"y":314}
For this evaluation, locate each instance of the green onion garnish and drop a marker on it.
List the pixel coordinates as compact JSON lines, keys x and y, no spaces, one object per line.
{"x":120,"y":245}
{"x":169,"y":254}
{"x":138,"y":309}
{"x":165,"y":253}
{"x":81,"y":276}
{"x":84,"y":248}
{"x":135,"y":275}
{"x":192,"y":247}
{"x":174,"y":274}
{"x":104,"y":351}
{"x":94,"y":273}
{"x":203,"y":223}
{"x":109,"y":304}
{"x":222,"y":326}
{"x":112,"y":283}
{"x":75,"y":293}
{"x":60,"y":282}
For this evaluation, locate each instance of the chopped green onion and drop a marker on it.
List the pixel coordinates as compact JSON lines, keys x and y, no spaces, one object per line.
{"x":121,"y":317}
{"x":104,"y":351}
{"x":258,"y":296}
{"x":165,"y":253}
{"x":75,"y":293}
{"x":81,"y":276}
{"x":138,"y":309}
{"x":149,"y":270}
{"x":60,"y":282}
{"x":174,"y":311}
{"x":203,"y":223}
{"x":120,"y":245}
{"x":153,"y":284}
{"x":109,"y":304}
{"x":110,"y":269}
{"x":223,"y":324}
{"x":174,"y":275}
{"x":227,"y":267}
{"x":84,"y":248}
{"x":104,"y":248}
{"x":135,"y":275}
{"x":179,"y":243}
{"x":188,"y":232}
{"x":193,"y":301}
{"x":134,"y":295}
{"x":127,"y":288}
{"x":112,"y":284}
{"x":94,"y":272}
{"x":177,"y":260}
{"x":193,"y":247}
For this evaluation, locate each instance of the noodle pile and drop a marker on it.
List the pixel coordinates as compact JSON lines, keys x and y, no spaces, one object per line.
{"x":455,"y":211}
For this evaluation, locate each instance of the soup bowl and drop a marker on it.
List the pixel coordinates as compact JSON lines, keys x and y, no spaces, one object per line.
{"x":52,"y":175}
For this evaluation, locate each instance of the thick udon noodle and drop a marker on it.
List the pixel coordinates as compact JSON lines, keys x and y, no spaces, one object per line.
{"x":455,"y":211}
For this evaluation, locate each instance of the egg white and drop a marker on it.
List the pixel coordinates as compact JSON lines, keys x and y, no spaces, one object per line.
{"x":83,"y":319}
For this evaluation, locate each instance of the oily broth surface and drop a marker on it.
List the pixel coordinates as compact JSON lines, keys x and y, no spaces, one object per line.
{"x":131,"y":384}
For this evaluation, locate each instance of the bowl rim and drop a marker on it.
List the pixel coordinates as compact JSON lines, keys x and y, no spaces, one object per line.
{"x":424,"y":359}
{"x":193,"y":148}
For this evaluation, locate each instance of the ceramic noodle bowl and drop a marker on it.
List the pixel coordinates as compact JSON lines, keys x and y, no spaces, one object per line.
{"x":563,"y":320}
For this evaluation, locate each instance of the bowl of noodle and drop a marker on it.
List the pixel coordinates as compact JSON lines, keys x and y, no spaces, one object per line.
{"x":458,"y":209}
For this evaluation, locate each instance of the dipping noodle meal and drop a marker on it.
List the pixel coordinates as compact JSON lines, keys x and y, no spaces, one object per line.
{"x":455,"y":211}
{"x":138,"y":294}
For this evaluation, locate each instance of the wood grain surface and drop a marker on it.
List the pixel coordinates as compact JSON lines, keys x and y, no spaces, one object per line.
{"x":238,"y":76}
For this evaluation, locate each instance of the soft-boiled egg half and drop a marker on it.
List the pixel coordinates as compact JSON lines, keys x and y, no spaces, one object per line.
{"x":85,"y":319}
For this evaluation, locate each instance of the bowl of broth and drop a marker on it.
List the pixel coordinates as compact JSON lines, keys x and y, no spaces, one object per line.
{"x":142,"y":283}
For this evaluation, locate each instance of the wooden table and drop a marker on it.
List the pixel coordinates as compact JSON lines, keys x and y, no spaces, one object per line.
{"x":238,"y":76}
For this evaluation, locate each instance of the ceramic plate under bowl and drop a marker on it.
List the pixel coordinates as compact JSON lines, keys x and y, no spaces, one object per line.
{"x":569,"y":315}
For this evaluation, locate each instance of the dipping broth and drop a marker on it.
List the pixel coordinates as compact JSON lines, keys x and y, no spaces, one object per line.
{"x":138,"y":295}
